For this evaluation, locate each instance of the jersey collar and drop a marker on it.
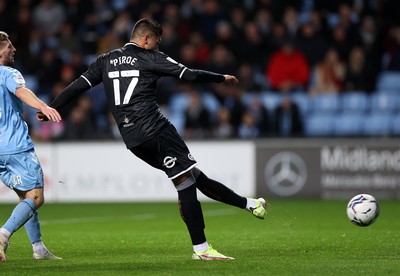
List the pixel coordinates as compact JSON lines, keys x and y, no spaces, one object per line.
{"x":132,"y":43}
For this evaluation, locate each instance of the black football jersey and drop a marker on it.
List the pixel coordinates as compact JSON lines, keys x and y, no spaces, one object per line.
{"x":129,"y":75}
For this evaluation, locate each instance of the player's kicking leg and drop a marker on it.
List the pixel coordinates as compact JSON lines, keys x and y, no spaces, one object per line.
{"x":217,"y":191}
{"x":192,"y":215}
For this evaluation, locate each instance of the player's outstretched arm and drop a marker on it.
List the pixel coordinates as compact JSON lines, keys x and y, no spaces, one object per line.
{"x":29,"y":98}
{"x":231,"y":80}
{"x":197,"y":75}
{"x":69,"y":93}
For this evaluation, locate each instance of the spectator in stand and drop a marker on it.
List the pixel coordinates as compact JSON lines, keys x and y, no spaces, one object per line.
{"x":79,"y":124}
{"x":248,"y":128}
{"x":68,"y":42}
{"x":22,"y":31}
{"x":288,"y":69}
{"x":359,"y":74}
{"x":197,"y":118}
{"x":104,"y":15}
{"x":170,"y":43}
{"x":48,"y":68}
{"x":89,"y":33}
{"x":253,"y":48}
{"x":341,"y":42}
{"x":237,"y":19}
{"x":75,"y":11}
{"x":223,"y":128}
{"x":311,"y":44}
{"x":288,"y":120}
{"x":48,"y":17}
{"x":392,"y":52}
{"x":251,"y":80}
{"x":278,"y":37}
{"x":291,"y":21}
{"x":108,"y":42}
{"x":264,"y":22}
{"x":348,"y":20}
{"x":224,"y":35}
{"x":212,"y":13}
{"x":203,"y":49}
{"x":328,"y":75}
{"x":260,"y":116}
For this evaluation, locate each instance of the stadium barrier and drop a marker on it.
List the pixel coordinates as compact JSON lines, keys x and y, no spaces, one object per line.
{"x":293,"y":168}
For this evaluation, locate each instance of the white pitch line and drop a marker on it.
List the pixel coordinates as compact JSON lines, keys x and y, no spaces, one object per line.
{"x":96,"y":219}
{"x":212,"y":213}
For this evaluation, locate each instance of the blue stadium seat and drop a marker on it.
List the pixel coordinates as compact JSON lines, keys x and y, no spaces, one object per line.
{"x":395,"y":124}
{"x":377,"y":124}
{"x":178,"y":120}
{"x":210,"y":102}
{"x":384,"y":102}
{"x":388,"y":81}
{"x":248,"y":97}
{"x":178,"y":102}
{"x":349,"y":124}
{"x":303,"y":101}
{"x":355,"y":101}
{"x":319,"y":124}
{"x":271,"y":100}
{"x":325,"y":103}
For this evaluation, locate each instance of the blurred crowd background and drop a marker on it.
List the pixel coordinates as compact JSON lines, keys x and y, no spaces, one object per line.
{"x":306,"y":67}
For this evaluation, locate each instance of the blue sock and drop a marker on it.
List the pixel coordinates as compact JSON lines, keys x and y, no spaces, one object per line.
{"x":21,"y":214}
{"x":32,"y":227}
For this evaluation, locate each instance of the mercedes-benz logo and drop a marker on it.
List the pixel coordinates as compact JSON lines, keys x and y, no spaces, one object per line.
{"x":285,"y":173}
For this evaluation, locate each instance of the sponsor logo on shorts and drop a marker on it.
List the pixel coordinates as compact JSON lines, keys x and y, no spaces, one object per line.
{"x":169,"y":161}
{"x":16,"y":180}
{"x":190,"y":156}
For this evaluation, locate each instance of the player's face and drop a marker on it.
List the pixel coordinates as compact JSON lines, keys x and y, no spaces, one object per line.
{"x":7,"y":52}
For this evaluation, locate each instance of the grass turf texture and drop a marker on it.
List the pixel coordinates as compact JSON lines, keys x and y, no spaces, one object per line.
{"x":299,"y":237}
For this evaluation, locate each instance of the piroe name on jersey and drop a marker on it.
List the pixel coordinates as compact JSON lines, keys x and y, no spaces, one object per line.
{"x":123,"y":60}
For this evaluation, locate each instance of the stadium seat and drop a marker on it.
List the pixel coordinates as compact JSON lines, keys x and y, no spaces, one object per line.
{"x":319,"y":124}
{"x":210,"y":102}
{"x":355,"y":101}
{"x":178,"y":120}
{"x":303,"y":102}
{"x":349,"y":123}
{"x":388,"y":81}
{"x":377,"y":124}
{"x":179,"y":102}
{"x":271,"y":100}
{"x":325,"y":103}
{"x":384,"y":102}
{"x":248,"y":97}
{"x":395,"y":125}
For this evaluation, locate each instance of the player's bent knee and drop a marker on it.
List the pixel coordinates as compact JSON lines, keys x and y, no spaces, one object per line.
{"x":185,"y":182}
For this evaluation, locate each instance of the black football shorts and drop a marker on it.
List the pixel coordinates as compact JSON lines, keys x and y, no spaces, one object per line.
{"x":166,"y":151}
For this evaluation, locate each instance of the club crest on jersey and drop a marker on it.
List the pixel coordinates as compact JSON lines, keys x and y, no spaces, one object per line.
{"x":19,"y":79}
{"x":190,"y":156}
{"x":169,"y":161}
{"x":127,"y":122}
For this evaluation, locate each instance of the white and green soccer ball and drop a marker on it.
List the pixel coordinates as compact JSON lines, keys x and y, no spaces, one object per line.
{"x":363,"y":210}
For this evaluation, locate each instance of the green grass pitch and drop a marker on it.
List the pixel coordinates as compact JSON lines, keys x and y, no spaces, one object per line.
{"x":299,"y":237}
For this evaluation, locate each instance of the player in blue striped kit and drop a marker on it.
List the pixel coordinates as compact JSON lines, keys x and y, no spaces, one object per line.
{"x":20,"y":169}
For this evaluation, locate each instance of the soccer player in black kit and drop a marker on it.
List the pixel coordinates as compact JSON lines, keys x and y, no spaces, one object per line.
{"x":130,"y":75}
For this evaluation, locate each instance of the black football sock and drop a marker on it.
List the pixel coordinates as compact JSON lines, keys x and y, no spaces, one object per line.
{"x":192,"y":214}
{"x":217,"y":191}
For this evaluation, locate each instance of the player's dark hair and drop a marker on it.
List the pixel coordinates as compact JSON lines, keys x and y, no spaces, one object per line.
{"x":145,"y":25}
